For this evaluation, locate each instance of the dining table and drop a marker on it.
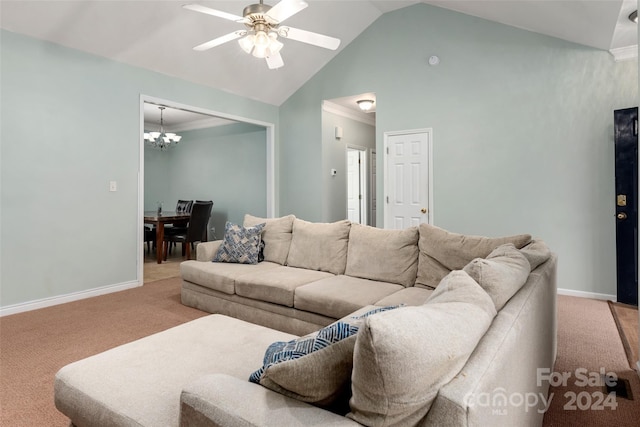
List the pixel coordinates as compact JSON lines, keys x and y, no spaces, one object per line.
{"x":159,"y":219}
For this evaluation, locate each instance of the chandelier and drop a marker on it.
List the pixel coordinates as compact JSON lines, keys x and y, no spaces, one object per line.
{"x":162,"y":139}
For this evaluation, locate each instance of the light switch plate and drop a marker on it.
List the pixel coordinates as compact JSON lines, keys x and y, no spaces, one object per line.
{"x":113,"y":186}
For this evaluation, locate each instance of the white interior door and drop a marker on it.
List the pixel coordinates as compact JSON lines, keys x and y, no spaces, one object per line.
{"x":373,"y":187}
{"x":407,"y":178}
{"x":355,"y":186}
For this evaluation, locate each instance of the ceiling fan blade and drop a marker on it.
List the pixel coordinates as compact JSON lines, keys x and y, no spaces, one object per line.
{"x":213,"y":12}
{"x":309,"y":37}
{"x":274,"y":61}
{"x":220,"y":40}
{"x":285,"y":9}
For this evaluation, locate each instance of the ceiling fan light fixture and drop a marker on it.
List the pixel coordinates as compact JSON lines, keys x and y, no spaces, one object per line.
{"x":260,"y":51}
{"x":263,"y":23}
{"x":275,"y":46}
{"x":365,"y":104}
{"x":634,"y":16}
{"x":262,"y":39}
{"x":247,"y":43}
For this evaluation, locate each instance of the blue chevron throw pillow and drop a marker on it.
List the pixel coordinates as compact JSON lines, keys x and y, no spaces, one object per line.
{"x":240,"y":245}
{"x":315,"y":368}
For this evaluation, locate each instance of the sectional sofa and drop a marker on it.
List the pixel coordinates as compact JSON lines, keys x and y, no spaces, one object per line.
{"x":338,"y":324}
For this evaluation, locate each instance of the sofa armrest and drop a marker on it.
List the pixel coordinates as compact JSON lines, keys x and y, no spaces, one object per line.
{"x":223,"y":400}
{"x":504,"y":366}
{"x":205,"y":251}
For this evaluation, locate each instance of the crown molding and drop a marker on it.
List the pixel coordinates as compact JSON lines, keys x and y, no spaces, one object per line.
{"x":193,"y":125}
{"x":626,"y":53}
{"x":339,"y":110}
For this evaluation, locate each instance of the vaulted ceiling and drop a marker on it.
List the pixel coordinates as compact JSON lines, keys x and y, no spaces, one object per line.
{"x":159,"y":35}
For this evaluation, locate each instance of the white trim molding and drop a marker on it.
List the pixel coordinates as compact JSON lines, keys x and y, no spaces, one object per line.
{"x":583,"y":294}
{"x":48,"y":302}
{"x":339,"y":110}
{"x":626,"y":53}
{"x":270,"y":179}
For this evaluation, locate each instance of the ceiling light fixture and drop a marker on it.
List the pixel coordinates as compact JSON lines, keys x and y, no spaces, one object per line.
{"x":634,"y":16}
{"x":365,"y":104}
{"x":264,"y":27}
{"x":260,"y":43}
{"x":162,"y":139}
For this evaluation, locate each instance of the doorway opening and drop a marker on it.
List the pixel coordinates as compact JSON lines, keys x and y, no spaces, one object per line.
{"x":267,"y":155}
{"x":349,"y":143}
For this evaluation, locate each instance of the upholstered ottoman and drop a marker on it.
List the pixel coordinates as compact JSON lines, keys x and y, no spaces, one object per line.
{"x":139,"y":383}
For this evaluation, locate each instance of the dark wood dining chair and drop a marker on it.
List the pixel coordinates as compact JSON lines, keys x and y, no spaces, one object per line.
{"x":195,"y":231}
{"x":149,"y":238}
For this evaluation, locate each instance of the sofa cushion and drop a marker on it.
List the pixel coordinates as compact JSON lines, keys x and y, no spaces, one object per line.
{"x":403,"y":357}
{"x":442,"y":251}
{"x":408,"y":296}
{"x":140,"y":383}
{"x":315,"y":368}
{"x":384,"y":255}
{"x":276,"y":236}
{"x":240,"y":244}
{"x":220,"y":276}
{"x":278,"y":285}
{"x":319,"y":246}
{"x":338,"y":296}
{"x":537,"y":252}
{"x":501,"y":274}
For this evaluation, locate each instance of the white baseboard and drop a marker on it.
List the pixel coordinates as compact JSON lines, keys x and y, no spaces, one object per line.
{"x":583,"y":294}
{"x":48,"y":302}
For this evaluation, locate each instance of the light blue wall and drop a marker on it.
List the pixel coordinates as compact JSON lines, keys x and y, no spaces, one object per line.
{"x":226,"y":164}
{"x":70,"y":124}
{"x":522,"y":127}
{"x":522,"y":130}
{"x":334,"y":151}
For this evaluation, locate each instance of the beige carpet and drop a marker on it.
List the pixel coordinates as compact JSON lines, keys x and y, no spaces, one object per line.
{"x":34,"y":345}
{"x":588,"y":339}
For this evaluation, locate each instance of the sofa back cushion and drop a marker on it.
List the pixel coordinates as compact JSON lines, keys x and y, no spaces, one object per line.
{"x":319,"y":246}
{"x":501,"y":274}
{"x":403,"y":357}
{"x":276,"y":236}
{"x":537,"y":252}
{"x":442,"y":251}
{"x":383,"y":255}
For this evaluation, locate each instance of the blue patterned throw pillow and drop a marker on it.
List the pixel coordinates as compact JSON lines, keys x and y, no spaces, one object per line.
{"x":315,"y":368}
{"x":240,"y":245}
{"x":281,"y":351}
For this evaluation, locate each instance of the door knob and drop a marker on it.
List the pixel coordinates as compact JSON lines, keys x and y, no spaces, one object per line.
{"x":423,"y":210}
{"x":622,"y":215}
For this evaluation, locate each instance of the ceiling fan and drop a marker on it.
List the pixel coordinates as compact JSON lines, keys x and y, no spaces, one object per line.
{"x":263,"y":24}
